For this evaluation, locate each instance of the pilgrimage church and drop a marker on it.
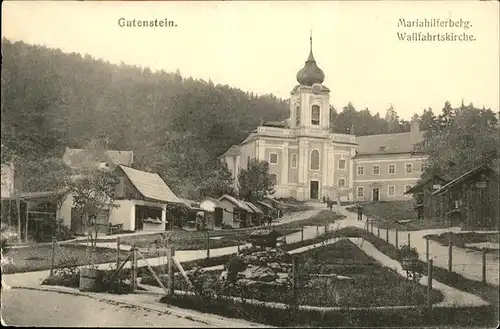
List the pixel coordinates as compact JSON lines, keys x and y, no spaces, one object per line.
{"x":308,"y":162}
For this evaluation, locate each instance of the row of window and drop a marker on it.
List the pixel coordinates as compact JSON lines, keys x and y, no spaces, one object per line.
{"x":391,"y":169}
{"x":340,"y":183}
{"x":391,"y":190}
{"x":315,"y":115}
{"x":273,"y":159}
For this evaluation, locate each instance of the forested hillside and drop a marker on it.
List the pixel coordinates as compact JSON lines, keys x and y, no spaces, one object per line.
{"x":176,"y":126}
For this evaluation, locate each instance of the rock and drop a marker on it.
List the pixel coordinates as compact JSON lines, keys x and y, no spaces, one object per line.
{"x":223,"y":276}
{"x":274,"y":266}
{"x":258,"y":273}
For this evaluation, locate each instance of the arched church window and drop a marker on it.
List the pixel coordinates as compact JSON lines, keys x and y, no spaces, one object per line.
{"x":315,"y":160}
{"x":297,"y":116}
{"x":341,"y":182}
{"x":315,"y":115}
{"x":273,"y":178}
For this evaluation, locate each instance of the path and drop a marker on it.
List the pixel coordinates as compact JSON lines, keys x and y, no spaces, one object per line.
{"x":21,"y":307}
{"x":452,"y":296}
{"x":467,"y":263}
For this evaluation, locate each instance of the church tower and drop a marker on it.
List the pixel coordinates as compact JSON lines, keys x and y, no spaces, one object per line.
{"x":310,"y":100}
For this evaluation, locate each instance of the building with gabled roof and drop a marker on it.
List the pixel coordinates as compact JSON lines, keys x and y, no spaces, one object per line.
{"x":142,"y":200}
{"x":471,"y":200}
{"x":427,"y":207}
{"x":236,"y":213}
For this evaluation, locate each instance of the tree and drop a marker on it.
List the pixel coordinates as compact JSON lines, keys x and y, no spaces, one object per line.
{"x":218,"y":182}
{"x":93,"y":194}
{"x":460,"y":139}
{"x":255,"y":182}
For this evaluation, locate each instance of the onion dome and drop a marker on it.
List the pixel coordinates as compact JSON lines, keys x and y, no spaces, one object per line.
{"x":310,"y":73}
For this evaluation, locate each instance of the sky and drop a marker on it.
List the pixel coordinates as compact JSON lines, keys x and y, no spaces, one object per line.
{"x":260,"y":46}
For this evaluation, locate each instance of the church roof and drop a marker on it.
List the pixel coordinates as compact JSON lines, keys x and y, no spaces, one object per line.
{"x":233,"y":150}
{"x":310,"y":74}
{"x":386,"y":143}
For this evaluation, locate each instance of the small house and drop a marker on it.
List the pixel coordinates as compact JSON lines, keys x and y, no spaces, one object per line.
{"x":426,"y":206}
{"x":472,"y":199}
{"x":141,"y":201}
{"x":191,"y":212}
{"x":213,"y":213}
{"x":237,"y":213}
{"x":256,"y":217}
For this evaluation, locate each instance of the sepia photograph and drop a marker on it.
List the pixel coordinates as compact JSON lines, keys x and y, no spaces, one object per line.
{"x":250,"y":164}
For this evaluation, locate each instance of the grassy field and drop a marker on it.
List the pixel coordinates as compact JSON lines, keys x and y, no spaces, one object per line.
{"x":371,"y":284}
{"x":397,"y":215}
{"x":461,"y":239}
{"x":38,"y":258}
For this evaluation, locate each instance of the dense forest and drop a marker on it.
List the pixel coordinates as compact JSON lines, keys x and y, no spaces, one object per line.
{"x":176,"y":126}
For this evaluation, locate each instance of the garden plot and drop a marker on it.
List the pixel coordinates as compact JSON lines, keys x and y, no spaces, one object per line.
{"x":336,"y":275}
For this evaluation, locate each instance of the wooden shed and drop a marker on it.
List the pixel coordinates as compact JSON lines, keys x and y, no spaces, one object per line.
{"x":427,"y":207}
{"x":473,"y":199}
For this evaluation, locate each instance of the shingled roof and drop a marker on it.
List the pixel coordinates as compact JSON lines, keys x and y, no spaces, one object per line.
{"x":238,"y":203}
{"x":150,"y":185}
{"x":482,"y":169}
{"x":386,"y":143}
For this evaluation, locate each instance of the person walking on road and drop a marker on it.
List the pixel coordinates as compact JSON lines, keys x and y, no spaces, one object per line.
{"x":360,"y":211}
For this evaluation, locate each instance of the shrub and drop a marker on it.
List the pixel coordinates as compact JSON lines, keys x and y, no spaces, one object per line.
{"x":52,"y":227}
{"x":67,"y":275}
{"x":408,"y":252}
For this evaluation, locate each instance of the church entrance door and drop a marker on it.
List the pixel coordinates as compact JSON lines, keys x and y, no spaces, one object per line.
{"x":314,"y":190}
{"x":375,"y":194}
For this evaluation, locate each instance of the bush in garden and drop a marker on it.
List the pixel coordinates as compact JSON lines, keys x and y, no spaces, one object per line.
{"x":67,"y":274}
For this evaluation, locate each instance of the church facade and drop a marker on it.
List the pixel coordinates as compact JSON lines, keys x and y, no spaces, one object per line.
{"x":305,"y":159}
{"x":308,"y":162}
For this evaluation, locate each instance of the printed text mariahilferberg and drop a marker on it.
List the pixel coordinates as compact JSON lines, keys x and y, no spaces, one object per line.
{"x":434,"y":22}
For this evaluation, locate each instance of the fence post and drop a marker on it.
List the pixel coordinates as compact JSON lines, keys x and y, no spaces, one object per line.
{"x":208,"y":244}
{"x":371,"y":225}
{"x":52,"y":256}
{"x":378,"y":232}
{"x":317,"y":230}
{"x":302,"y":234}
{"x":294,"y":281}
{"x":484,"y":265}
{"x":429,"y":285}
{"x":387,"y":235}
{"x":117,"y":252}
{"x":427,"y":249}
{"x":409,"y":242}
{"x":134,"y":269}
{"x":170,"y":262}
{"x":450,"y":255}
{"x":397,"y":238}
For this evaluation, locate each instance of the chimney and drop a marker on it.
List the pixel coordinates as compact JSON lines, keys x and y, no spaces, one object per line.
{"x":415,"y":130}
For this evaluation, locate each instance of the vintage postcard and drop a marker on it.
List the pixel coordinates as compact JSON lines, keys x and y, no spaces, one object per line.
{"x":250,"y":163}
